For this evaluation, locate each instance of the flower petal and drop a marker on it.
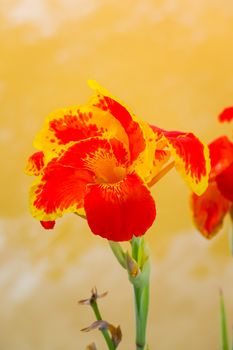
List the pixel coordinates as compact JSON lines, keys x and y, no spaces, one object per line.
{"x":105,"y":102}
{"x":48,"y":225}
{"x":191,"y":157}
{"x":221,"y":155}
{"x":119,"y":211}
{"x":60,"y":190}
{"x":74,"y":124}
{"x":226,"y":115}
{"x":225,"y":182}
{"x":209,"y":210}
{"x":141,"y":138}
{"x":35,"y":163}
{"x":61,"y":187}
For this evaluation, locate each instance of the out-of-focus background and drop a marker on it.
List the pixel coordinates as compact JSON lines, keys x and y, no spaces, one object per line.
{"x":170,"y":61}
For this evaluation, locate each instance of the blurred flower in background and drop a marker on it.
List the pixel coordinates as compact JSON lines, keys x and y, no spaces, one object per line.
{"x":211,"y":207}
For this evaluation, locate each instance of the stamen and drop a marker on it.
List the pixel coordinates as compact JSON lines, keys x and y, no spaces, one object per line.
{"x":161,"y":174}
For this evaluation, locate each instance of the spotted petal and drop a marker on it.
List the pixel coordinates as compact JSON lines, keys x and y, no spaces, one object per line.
{"x":119,"y":211}
{"x":61,"y":187}
{"x":141,"y":139}
{"x":74,"y":124}
{"x":35,"y":163}
{"x":191,"y":157}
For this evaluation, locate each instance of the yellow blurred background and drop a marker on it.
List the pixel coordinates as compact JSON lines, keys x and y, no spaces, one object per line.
{"x":170,"y":61}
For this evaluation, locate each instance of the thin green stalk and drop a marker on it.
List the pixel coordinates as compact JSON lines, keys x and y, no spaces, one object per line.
{"x":141,"y":290}
{"x":224,"y":335}
{"x":105,"y":333}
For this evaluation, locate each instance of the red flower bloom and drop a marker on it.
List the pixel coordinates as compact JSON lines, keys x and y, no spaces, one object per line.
{"x":210,"y":208}
{"x":99,"y":160}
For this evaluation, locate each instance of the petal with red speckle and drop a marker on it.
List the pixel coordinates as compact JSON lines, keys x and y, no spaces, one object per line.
{"x":74,"y":124}
{"x":191,"y":157}
{"x":105,"y":102}
{"x":35,"y":163}
{"x":61,"y":187}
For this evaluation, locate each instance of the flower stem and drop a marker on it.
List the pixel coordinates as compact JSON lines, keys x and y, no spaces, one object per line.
{"x":105,"y":333}
{"x":161,"y":174}
{"x":224,"y":335}
{"x":141,"y":296}
{"x":141,"y":290}
{"x":138,"y":267}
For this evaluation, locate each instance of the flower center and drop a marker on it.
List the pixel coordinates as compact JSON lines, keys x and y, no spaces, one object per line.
{"x":107,"y":171}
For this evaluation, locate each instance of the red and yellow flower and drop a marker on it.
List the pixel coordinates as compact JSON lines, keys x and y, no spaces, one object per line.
{"x":99,"y":161}
{"x":211,"y":207}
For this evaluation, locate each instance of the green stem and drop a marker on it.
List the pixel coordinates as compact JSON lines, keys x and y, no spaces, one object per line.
{"x":224,"y":334}
{"x":138,"y":267}
{"x":141,"y":290}
{"x":105,"y":333}
{"x":141,"y":296}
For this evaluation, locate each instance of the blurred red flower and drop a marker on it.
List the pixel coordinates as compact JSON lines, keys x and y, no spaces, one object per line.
{"x":211,"y":207}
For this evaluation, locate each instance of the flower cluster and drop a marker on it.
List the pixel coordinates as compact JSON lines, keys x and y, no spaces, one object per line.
{"x":99,"y":161}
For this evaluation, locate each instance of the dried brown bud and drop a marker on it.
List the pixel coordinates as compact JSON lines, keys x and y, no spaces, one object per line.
{"x":101,"y":325}
{"x":97,"y":324}
{"x":116,"y":334}
{"x":93,"y":298}
{"x":132,"y":266}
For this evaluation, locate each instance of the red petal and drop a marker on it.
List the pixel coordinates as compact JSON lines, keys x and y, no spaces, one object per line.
{"x":225,"y":182}
{"x":35,"y":163}
{"x":221,"y":155}
{"x":132,"y":128}
{"x":226,"y":115}
{"x":93,"y":150}
{"x":48,"y":225}
{"x":60,"y":190}
{"x":74,"y":126}
{"x":209,"y":210}
{"x":62,"y":186}
{"x":119,"y":211}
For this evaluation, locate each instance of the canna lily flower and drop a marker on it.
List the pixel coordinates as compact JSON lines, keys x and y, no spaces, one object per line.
{"x":210,"y":209}
{"x":99,"y":161}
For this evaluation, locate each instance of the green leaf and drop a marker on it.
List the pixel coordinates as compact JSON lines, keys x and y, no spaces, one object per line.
{"x":135,"y":242}
{"x":224,"y":335}
{"x":118,"y":252}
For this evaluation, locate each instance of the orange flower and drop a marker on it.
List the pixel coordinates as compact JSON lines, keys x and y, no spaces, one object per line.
{"x":99,"y":160}
{"x":211,"y":207}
